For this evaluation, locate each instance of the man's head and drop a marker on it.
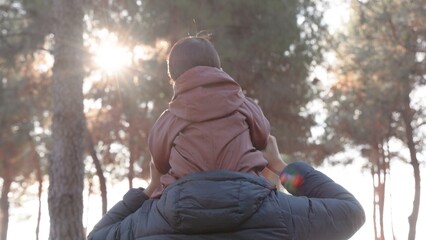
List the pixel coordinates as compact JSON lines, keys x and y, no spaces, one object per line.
{"x":191,"y":52}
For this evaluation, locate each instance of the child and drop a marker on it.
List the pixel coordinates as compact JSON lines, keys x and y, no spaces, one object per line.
{"x":209,"y":124}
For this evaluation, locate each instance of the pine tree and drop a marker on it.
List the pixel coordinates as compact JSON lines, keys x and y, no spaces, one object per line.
{"x":66,"y":169}
{"x":380,"y":69}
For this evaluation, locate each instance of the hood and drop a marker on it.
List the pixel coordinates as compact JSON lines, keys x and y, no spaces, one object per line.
{"x":214,"y":201}
{"x":204,"y":93}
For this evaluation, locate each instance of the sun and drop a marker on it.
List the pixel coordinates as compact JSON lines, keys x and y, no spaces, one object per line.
{"x":108,"y":55}
{"x":112,"y":58}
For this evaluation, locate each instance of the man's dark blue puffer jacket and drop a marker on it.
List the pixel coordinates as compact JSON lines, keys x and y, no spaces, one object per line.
{"x":231,"y":205}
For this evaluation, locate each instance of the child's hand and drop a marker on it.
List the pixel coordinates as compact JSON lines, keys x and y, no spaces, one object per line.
{"x":155,"y":179}
{"x":272,"y":154}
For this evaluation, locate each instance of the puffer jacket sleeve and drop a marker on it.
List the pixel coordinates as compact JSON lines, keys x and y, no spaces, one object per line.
{"x":112,"y":222}
{"x":320,"y":208}
{"x":258,"y":124}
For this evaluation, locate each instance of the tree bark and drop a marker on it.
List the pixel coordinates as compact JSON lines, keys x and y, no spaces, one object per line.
{"x":99,"y":172}
{"x":133,"y":147}
{"x":379,"y":186}
{"x":407,"y":116}
{"x":39,"y":176}
{"x":4,"y":202}
{"x":382,"y":190}
{"x":66,"y":167}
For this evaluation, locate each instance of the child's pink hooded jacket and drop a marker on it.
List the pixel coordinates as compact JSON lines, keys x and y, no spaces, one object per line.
{"x":209,"y":125}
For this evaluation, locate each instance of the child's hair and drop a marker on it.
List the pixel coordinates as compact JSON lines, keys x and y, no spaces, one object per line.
{"x":190,"y":52}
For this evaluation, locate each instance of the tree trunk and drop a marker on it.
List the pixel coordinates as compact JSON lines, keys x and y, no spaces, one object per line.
{"x":386,"y":164}
{"x":382,"y":189}
{"x":378,"y":173}
{"x":378,"y":196}
{"x":133,"y":147}
{"x":66,"y":167}
{"x":99,"y":172}
{"x":374,"y":204}
{"x":4,"y":203}
{"x":407,"y":116}
{"x":39,"y":176}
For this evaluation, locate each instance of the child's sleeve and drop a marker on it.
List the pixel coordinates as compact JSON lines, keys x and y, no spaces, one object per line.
{"x":258,"y":124}
{"x":161,"y":137}
{"x":160,"y":144}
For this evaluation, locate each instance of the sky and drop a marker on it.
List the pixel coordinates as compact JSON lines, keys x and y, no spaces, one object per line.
{"x":399,"y":196}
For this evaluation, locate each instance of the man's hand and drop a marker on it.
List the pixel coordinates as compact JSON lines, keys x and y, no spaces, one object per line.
{"x":155,"y":180}
{"x":272,"y":154}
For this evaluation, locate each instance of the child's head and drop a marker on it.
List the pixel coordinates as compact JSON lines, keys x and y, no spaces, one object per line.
{"x":191,"y":52}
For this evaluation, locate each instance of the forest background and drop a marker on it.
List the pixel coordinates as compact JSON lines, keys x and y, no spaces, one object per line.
{"x":342,"y":83}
